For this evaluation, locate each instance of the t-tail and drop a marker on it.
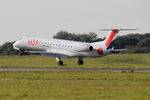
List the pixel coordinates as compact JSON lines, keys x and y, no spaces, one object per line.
{"x":110,"y":39}
{"x":109,"y":42}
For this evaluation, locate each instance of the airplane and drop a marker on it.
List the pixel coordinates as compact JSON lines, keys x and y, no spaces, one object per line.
{"x":69,"y":49}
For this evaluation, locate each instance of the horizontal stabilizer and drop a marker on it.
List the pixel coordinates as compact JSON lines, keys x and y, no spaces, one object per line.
{"x":117,"y":29}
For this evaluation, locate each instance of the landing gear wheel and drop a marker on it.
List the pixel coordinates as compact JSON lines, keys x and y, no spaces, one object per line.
{"x":80,"y":61}
{"x":60,"y":63}
{"x":21,"y":52}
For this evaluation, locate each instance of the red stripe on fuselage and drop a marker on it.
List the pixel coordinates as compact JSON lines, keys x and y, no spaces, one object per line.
{"x":110,"y":38}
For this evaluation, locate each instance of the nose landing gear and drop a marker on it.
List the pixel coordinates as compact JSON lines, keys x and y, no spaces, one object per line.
{"x":21,"y":52}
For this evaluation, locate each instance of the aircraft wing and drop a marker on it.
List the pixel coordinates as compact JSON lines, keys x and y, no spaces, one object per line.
{"x":117,"y":50}
{"x":58,"y":53}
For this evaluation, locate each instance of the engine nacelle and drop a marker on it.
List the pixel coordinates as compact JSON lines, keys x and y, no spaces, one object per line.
{"x":83,"y":47}
{"x":90,"y":48}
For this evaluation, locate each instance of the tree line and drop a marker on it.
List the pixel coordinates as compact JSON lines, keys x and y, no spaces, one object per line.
{"x":134,"y":43}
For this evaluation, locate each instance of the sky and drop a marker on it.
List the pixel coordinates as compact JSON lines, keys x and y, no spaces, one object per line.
{"x":44,"y":18}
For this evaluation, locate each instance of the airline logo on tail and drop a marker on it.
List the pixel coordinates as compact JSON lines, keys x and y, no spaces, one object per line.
{"x":109,"y":41}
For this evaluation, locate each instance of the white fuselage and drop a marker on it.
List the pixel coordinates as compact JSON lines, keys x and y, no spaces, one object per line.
{"x":62,"y":47}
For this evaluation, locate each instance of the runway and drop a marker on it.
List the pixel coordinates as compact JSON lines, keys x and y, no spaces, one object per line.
{"x":74,"y":69}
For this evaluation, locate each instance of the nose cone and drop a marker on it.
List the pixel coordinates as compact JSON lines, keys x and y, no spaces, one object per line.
{"x":16,"y":45}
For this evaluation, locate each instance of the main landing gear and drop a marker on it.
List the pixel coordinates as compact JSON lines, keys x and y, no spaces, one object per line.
{"x":59,"y":61}
{"x":80,"y":61}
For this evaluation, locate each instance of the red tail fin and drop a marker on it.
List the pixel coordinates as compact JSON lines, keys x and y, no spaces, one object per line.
{"x":111,"y":36}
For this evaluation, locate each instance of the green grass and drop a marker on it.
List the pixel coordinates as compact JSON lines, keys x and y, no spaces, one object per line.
{"x":110,"y":61}
{"x":74,"y":85}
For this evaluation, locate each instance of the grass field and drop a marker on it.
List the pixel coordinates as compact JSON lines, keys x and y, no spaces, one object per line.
{"x":110,"y":61}
{"x":74,"y":85}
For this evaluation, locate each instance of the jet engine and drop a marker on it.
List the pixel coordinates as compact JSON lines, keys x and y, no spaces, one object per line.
{"x":83,"y":47}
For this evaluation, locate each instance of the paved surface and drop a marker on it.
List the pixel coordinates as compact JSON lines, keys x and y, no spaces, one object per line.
{"x":74,"y":69}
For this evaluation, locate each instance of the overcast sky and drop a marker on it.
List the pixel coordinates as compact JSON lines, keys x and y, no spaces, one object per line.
{"x":44,"y":18}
